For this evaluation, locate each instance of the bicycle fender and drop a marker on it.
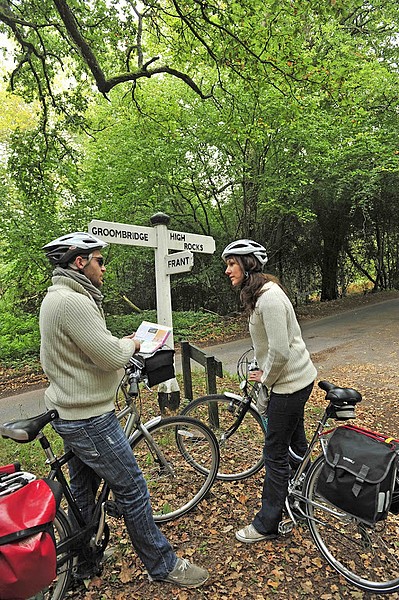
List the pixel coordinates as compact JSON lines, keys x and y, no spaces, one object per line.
{"x":138,"y":433}
{"x":233,"y":396}
{"x":239,"y":399}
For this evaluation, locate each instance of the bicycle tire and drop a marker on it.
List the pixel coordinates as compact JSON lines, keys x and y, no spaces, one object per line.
{"x":59,"y":587}
{"x":240,"y":454}
{"x":366,"y":556}
{"x":192,"y":453}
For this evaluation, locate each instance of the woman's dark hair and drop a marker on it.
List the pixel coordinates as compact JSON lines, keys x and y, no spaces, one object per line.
{"x":254,"y":280}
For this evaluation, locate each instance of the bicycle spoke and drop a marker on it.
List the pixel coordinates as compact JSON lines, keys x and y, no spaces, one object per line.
{"x":240,"y":452}
{"x":179,"y":464}
{"x":59,"y":587}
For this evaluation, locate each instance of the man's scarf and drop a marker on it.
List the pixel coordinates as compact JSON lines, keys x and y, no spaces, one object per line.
{"x":83,"y":281}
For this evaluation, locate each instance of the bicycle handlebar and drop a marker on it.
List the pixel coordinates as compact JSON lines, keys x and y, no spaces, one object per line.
{"x":134,"y":370}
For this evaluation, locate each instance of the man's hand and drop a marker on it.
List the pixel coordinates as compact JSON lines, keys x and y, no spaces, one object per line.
{"x":136,"y":342}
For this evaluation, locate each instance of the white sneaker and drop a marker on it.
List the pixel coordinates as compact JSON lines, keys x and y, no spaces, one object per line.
{"x":186,"y":574}
{"x":249,"y":535}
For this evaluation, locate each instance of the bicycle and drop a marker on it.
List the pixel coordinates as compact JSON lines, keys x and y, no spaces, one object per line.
{"x":237,"y":424}
{"x":367,"y":556}
{"x":179,"y":458}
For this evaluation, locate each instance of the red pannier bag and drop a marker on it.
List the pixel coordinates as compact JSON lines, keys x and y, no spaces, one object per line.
{"x":27,"y":546}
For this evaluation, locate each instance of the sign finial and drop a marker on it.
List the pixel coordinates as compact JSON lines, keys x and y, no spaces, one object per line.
{"x":160,"y":218}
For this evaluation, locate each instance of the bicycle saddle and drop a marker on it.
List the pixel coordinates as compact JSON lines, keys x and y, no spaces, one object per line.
{"x":26,"y":430}
{"x":339,"y":396}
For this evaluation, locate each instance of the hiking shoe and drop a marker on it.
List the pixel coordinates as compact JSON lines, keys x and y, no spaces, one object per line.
{"x":249,"y":535}
{"x":186,"y":574}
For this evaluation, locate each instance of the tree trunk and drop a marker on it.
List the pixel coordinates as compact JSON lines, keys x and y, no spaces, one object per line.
{"x":333,"y":219}
{"x":329,"y":287}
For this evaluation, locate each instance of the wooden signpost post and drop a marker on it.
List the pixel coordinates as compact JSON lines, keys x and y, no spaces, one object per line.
{"x":162,"y":240}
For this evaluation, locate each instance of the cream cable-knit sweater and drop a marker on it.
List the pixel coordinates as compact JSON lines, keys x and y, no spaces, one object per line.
{"x":278,"y":345}
{"x":78,"y":354}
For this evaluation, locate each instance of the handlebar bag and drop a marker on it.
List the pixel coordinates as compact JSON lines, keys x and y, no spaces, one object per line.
{"x":159,"y":367}
{"x":27,"y":546}
{"x":359,"y":473}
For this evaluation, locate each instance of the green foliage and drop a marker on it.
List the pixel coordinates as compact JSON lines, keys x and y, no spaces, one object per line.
{"x":15,"y":114}
{"x":187,"y":325}
{"x":19,"y":338}
{"x":295,"y":144}
{"x":121,"y":325}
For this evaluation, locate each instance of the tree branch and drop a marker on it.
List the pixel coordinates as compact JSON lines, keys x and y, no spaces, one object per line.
{"x":86,"y":52}
{"x":104,"y":85}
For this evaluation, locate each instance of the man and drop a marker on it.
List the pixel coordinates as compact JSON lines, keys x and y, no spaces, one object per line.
{"x":81,"y":357}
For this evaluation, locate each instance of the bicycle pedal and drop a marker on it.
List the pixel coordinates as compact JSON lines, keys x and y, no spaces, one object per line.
{"x":285,"y":527}
{"x":112,"y":509}
{"x":87,"y":569}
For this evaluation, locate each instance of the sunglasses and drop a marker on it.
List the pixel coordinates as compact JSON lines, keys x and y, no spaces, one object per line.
{"x":100,"y":260}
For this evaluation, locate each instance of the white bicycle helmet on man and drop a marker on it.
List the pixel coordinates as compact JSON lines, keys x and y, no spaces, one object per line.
{"x":64,"y":249}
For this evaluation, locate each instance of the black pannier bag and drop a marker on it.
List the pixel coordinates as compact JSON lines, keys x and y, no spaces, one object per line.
{"x":394,"y":508}
{"x":359,"y":475}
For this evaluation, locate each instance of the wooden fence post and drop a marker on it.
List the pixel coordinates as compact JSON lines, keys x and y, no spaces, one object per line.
{"x":213,"y":368}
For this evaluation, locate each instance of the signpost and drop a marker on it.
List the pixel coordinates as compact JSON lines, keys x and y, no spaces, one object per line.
{"x":162,"y":240}
{"x":136,"y":235}
{"x":179,"y":262}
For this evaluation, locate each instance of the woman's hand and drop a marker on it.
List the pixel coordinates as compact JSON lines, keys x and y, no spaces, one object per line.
{"x":255,"y":375}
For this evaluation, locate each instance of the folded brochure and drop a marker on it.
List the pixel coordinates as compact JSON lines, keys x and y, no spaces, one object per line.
{"x":151,"y":336}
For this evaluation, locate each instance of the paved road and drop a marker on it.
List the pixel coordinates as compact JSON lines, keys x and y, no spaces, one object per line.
{"x":320,"y":335}
{"x":327,"y":333}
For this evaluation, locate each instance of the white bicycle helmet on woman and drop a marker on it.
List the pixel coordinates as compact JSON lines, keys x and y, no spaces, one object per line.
{"x":245,"y":247}
{"x":64,"y":249}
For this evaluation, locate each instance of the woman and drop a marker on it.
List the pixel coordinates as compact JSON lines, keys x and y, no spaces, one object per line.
{"x":285,"y":369}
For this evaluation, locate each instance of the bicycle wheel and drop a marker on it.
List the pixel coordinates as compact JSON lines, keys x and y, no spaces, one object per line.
{"x":59,"y":587}
{"x":367,"y":556}
{"x":179,"y":463}
{"x":241,"y":453}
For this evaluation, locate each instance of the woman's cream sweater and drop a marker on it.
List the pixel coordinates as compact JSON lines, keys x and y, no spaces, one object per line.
{"x":279,"y":348}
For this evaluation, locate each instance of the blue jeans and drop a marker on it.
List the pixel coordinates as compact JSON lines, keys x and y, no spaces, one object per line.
{"x":103,"y":452}
{"x":285,"y":428}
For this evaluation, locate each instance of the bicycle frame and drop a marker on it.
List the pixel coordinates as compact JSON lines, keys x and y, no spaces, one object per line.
{"x":133,"y":429}
{"x":245,"y":402}
{"x":97,"y":525}
{"x":134,"y":424}
{"x":179,"y":456}
{"x":295,"y":493}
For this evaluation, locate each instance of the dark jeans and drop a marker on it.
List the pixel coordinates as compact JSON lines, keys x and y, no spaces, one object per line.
{"x":102,"y":451}
{"x":285,"y":428}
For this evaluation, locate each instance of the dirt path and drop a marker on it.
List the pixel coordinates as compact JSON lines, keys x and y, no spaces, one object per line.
{"x":289,"y":568}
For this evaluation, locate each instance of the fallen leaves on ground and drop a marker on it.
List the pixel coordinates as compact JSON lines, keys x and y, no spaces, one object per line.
{"x":288,"y":568}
